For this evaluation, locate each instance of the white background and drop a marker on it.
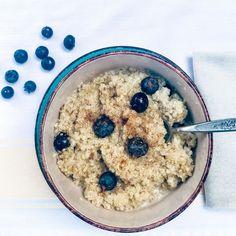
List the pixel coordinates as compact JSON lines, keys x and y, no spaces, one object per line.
{"x":175,"y":29}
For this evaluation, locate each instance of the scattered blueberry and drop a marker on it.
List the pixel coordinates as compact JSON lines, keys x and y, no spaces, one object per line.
{"x":69,"y":42}
{"x":7,"y":92}
{"x":30,"y":86}
{"x":61,"y":141}
{"x":11,"y":76}
{"x":137,"y":147}
{"x":41,"y":52}
{"x":21,"y":56}
{"x":139,"y":102}
{"x":48,"y":63}
{"x":108,"y":180}
{"x":47,"y":32}
{"x":149,"y":85}
{"x":103,"y":126}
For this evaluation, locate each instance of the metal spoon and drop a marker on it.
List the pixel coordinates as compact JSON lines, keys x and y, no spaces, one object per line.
{"x":224,"y":125}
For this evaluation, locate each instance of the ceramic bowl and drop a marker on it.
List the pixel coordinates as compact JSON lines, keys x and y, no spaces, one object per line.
{"x":85,"y":69}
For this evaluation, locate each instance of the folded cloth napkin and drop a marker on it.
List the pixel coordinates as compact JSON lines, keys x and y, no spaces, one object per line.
{"x":215,"y":76}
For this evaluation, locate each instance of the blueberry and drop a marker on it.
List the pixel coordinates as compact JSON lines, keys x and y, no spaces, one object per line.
{"x":149,"y":85}
{"x":69,"y":42}
{"x":61,"y":141}
{"x":30,"y":86}
{"x":103,"y":126}
{"x":139,"y":102}
{"x":47,"y":32}
{"x":11,"y":76}
{"x":137,"y":147}
{"x":41,"y":52}
{"x":48,"y":63}
{"x":21,"y":56}
{"x":7,"y":92}
{"x":108,"y":180}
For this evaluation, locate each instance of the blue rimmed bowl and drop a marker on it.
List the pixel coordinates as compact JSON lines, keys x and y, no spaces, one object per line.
{"x":85,"y":69}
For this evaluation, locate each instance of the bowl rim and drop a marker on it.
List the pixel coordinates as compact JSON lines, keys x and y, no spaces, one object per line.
{"x":49,"y":95}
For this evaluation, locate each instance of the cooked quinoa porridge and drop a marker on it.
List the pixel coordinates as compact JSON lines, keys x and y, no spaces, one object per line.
{"x":110,"y":139}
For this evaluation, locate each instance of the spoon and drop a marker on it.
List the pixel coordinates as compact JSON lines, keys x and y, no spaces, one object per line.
{"x":223,"y":125}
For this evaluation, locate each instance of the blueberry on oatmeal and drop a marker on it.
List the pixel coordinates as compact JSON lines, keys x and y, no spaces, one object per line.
{"x":61,"y":141}
{"x":108,"y":181}
{"x":149,"y":85}
{"x":137,"y":147}
{"x":103,"y":126}
{"x":139,"y":102}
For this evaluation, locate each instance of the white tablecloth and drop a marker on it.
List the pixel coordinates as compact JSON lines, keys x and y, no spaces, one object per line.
{"x":175,"y":29}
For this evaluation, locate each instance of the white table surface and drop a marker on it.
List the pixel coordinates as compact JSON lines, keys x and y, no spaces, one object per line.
{"x":175,"y":29}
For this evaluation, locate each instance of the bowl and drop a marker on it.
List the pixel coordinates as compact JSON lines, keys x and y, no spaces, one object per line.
{"x":85,"y":69}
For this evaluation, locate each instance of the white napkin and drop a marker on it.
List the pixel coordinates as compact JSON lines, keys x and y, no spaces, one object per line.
{"x":215,"y":76}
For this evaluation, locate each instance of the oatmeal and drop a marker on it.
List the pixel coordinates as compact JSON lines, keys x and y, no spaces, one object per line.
{"x":110,"y":139}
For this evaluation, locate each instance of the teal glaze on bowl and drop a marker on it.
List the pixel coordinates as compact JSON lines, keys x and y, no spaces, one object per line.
{"x":84,"y":69}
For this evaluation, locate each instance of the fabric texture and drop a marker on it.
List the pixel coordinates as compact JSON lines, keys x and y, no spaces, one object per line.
{"x":215,"y":76}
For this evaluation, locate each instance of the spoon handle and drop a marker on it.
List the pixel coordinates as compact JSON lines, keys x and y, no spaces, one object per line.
{"x":224,"y":125}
